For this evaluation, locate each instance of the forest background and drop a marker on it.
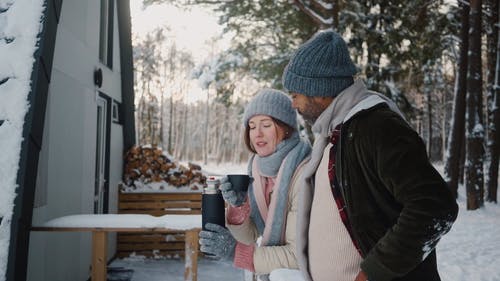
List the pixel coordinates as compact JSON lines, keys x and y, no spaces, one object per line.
{"x":438,"y":60}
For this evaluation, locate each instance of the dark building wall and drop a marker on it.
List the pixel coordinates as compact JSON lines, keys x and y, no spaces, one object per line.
{"x":31,"y":145}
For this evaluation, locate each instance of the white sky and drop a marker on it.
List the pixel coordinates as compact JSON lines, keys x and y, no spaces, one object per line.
{"x":193,"y":29}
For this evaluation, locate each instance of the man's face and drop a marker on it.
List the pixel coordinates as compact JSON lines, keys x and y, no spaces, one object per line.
{"x":310,"y":107}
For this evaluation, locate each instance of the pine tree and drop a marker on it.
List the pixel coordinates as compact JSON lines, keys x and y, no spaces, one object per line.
{"x":474,"y":124}
{"x":493,"y":99}
{"x":457,"y":131}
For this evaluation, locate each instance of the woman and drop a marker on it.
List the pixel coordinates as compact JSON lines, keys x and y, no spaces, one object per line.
{"x":270,"y":206}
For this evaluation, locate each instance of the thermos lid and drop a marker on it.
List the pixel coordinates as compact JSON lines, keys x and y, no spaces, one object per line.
{"x":212,"y":185}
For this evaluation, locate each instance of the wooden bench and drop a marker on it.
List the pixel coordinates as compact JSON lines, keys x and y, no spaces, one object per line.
{"x":151,"y":244}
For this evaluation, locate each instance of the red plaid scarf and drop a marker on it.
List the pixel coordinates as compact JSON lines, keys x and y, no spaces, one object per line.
{"x":337,"y":195}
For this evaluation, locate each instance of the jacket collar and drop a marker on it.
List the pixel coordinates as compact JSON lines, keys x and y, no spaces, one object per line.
{"x":351,"y":101}
{"x":335,"y":113}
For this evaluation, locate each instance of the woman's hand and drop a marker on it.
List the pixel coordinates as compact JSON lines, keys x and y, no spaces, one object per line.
{"x":218,"y":241}
{"x":231,"y":196}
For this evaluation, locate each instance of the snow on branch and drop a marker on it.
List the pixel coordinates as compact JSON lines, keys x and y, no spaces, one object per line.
{"x":323,"y":5}
{"x":206,"y":73}
{"x":5,"y":5}
{"x":8,"y":40}
{"x":4,"y":80}
{"x":320,"y":20}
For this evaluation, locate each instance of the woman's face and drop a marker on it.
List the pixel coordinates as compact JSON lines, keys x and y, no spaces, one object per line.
{"x":264,"y":134}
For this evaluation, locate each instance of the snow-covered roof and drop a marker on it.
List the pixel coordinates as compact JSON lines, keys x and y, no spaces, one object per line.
{"x":20,"y":23}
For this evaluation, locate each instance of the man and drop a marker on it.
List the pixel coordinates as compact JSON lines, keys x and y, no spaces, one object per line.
{"x":373,"y":207}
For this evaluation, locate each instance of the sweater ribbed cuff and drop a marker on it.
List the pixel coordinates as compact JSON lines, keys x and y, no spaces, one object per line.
{"x":237,"y":215}
{"x":243,"y":256}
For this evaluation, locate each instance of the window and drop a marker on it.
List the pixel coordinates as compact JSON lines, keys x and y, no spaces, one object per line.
{"x":115,"y":112}
{"x":106,"y":33}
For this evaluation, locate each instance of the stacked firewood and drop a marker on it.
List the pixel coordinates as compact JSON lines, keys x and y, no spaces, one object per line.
{"x":149,"y":164}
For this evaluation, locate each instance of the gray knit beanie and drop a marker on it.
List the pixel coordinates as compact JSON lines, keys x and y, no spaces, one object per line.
{"x":273,"y":103}
{"x":320,"y":67}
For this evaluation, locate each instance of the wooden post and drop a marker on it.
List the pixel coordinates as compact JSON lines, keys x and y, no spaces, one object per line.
{"x":191,"y":256}
{"x":99,"y":248}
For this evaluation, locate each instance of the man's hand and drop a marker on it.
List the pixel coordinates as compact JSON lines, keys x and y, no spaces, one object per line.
{"x":361,"y":276}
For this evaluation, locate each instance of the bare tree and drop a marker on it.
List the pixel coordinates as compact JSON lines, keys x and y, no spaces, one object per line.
{"x":169,"y":76}
{"x":146,"y":56}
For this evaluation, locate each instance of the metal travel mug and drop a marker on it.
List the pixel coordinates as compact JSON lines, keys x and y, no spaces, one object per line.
{"x":239,"y":182}
{"x":212,"y":204}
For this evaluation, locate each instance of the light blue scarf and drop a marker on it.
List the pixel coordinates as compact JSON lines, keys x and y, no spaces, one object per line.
{"x":288,"y":155}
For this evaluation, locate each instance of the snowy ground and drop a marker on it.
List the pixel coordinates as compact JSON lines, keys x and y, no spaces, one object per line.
{"x":173,"y":269}
{"x":470,"y":252}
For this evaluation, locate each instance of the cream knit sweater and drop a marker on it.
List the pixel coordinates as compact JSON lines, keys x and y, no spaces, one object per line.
{"x":332,"y":254}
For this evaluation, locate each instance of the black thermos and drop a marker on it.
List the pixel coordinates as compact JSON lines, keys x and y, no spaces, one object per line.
{"x":212,"y":204}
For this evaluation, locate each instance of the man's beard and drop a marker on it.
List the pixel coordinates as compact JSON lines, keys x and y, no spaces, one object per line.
{"x":309,"y":119}
{"x":311,"y":112}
